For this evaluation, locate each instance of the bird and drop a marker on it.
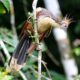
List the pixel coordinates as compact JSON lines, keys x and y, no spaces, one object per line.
{"x":45,"y":22}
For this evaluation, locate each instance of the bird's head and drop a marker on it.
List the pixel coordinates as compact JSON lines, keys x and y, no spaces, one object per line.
{"x":65,"y":22}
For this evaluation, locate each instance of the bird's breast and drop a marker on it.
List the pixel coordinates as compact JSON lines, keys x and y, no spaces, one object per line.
{"x":45,"y":24}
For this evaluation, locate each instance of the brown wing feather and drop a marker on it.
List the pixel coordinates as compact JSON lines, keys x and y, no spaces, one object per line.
{"x":26,"y":26}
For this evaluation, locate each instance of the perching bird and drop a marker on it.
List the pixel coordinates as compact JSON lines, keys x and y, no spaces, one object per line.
{"x":46,"y":21}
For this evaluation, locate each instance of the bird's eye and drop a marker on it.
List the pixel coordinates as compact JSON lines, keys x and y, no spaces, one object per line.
{"x":64,"y":26}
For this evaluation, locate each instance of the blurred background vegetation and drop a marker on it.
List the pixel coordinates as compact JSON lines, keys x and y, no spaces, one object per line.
{"x":69,"y":7}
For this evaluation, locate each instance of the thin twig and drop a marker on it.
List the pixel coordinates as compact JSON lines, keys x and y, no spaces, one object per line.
{"x":35,"y":22}
{"x":37,"y":59}
{"x":47,"y":71}
{"x":2,"y":57}
{"x":44,"y":63}
{"x":4,"y":49}
{"x":23,"y":76}
{"x":46,"y":78}
{"x":39,"y":64}
{"x":7,"y":42}
{"x":54,"y":60}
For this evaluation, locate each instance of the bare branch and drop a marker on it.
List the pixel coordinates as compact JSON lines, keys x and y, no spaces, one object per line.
{"x":37,"y":38}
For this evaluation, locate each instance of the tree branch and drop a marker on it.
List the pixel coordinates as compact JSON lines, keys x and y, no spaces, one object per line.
{"x":37,"y":38}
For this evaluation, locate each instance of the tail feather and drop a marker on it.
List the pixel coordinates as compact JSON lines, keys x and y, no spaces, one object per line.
{"x":20,"y":54}
{"x":16,"y":52}
{"x":23,"y":52}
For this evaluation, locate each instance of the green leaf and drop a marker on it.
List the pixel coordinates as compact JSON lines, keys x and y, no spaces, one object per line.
{"x":77,"y":51}
{"x":57,"y":76}
{"x":4,"y":6}
{"x":7,"y":36}
{"x":2,"y":9}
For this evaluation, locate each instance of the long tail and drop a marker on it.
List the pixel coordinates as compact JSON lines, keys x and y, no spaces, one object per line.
{"x":20,"y":54}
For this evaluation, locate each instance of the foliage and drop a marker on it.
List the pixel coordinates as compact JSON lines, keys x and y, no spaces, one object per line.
{"x":4,"y":6}
{"x":30,"y":68}
{"x":77,"y":51}
{"x":77,"y":77}
{"x":57,"y":76}
{"x":7,"y":36}
{"x":4,"y":76}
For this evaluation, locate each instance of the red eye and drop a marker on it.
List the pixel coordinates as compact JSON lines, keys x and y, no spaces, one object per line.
{"x":66,"y":27}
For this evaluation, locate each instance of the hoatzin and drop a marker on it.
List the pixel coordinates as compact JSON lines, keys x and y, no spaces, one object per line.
{"x":45,"y":21}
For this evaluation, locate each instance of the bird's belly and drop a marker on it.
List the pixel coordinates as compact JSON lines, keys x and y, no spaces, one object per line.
{"x":44,"y":24}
